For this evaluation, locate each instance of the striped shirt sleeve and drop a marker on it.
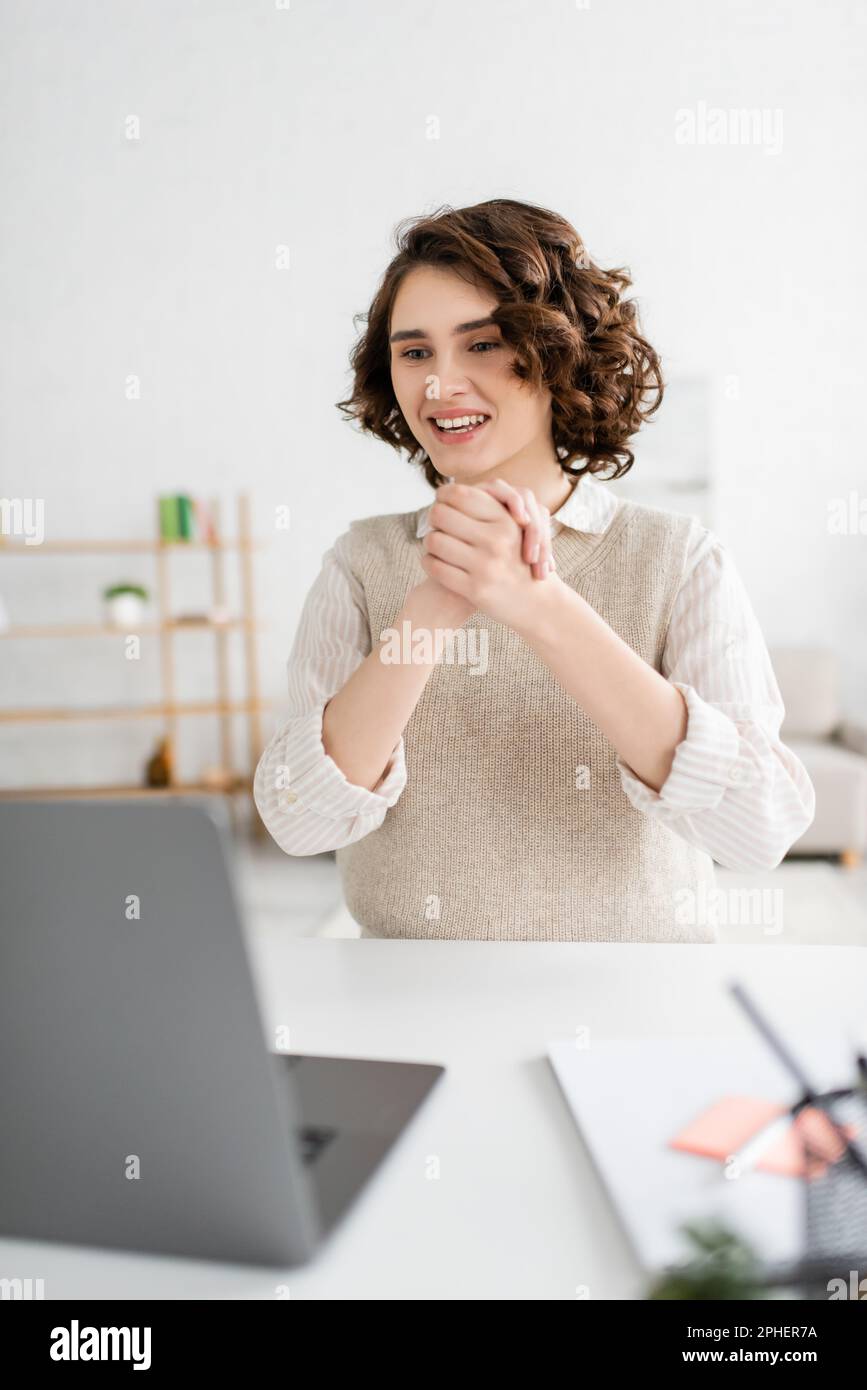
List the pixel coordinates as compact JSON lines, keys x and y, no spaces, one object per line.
{"x":301,"y":794}
{"x":734,"y":789}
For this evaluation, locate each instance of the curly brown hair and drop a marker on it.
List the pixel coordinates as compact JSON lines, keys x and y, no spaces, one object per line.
{"x":571,"y":330}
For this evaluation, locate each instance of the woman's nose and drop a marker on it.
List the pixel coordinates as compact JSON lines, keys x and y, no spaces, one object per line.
{"x":451,"y":378}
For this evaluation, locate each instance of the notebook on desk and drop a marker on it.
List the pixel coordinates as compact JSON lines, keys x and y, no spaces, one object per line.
{"x":631,"y":1096}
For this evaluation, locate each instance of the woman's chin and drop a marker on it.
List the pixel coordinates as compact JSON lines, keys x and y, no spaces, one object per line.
{"x":465,"y":471}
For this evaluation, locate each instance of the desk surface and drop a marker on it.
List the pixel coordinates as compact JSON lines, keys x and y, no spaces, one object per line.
{"x":517,"y":1211}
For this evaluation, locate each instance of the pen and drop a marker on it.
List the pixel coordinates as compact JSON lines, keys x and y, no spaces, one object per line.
{"x":749,"y":1153}
{"x":809,"y":1092}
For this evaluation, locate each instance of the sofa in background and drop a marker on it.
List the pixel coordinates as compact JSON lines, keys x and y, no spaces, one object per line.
{"x":833,"y":751}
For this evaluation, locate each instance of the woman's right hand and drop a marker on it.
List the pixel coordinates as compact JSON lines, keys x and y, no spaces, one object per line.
{"x":521,"y":503}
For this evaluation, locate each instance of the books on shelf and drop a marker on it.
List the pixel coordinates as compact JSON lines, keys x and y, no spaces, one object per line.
{"x":184,"y":518}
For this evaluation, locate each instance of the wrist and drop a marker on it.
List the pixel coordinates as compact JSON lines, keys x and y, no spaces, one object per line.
{"x":549,"y":608}
{"x":431,"y":606}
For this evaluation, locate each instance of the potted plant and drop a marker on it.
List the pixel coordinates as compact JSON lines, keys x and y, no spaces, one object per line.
{"x":723,"y":1266}
{"x":124,"y":604}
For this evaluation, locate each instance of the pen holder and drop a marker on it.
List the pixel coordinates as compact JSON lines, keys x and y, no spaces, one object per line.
{"x":835,"y":1196}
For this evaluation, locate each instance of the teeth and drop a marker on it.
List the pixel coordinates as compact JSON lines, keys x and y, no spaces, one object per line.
{"x":461,"y":422}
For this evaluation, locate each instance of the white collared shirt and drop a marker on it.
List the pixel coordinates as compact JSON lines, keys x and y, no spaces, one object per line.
{"x":734,"y":789}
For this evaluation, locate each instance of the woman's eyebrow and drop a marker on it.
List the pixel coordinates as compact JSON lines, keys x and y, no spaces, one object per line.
{"x":460,"y":328}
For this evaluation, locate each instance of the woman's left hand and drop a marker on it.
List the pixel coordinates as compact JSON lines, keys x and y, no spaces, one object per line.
{"x":476,"y":550}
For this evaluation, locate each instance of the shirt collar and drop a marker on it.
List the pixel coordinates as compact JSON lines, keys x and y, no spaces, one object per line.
{"x":588,"y":508}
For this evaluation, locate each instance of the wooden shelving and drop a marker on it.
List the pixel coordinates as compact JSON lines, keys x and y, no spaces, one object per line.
{"x":168,"y":710}
{"x":120,"y":547}
{"x":105,"y":630}
{"x":34,"y":715}
{"x":238,"y":784}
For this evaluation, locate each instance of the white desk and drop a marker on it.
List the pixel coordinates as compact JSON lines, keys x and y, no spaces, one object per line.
{"x":517,"y":1211}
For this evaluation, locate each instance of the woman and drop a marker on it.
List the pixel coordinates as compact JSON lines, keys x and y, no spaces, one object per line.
{"x":621,"y":731}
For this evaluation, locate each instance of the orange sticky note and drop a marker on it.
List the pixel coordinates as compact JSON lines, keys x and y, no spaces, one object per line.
{"x":726,"y":1126}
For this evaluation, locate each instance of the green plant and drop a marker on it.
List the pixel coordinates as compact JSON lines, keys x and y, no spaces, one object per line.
{"x":724,"y":1267}
{"x":124,"y":588}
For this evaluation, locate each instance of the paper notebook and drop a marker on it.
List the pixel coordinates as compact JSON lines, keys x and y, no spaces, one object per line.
{"x":631,"y":1096}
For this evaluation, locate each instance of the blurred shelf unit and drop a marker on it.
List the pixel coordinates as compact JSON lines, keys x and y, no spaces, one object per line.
{"x":168,"y":710}
{"x":133,"y":790}
{"x":106,"y":630}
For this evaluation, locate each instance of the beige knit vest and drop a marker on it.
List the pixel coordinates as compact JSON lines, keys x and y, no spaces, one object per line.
{"x":514,"y":825}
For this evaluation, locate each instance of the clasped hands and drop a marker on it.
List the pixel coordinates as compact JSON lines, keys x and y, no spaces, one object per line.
{"x":490,"y":547}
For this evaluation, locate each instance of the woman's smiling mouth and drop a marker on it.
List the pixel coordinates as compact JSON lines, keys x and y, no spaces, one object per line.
{"x":453,"y":428}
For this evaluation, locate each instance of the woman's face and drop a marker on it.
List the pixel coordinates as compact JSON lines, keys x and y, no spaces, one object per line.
{"x":448,"y":362}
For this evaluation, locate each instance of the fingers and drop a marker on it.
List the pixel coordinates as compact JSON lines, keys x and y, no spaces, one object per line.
{"x":510,"y":497}
{"x":546,"y":557}
{"x":532,"y":531}
{"x":535,"y":520}
{"x":449,"y":548}
{"x":472,"y":501}
{"x":444,"y":517}
{"x":538,"y":551}
{"x":459,"y":508}
{"x":457,"y":581}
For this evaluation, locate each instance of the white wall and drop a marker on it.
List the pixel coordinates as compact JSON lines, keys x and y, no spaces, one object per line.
{"x":307,"y":126}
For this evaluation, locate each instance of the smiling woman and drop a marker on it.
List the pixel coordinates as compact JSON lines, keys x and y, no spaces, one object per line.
{"x":537,"y":305}
{"x":619,"y":738}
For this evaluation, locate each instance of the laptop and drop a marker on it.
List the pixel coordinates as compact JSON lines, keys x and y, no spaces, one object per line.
{"x":141,"y":1107}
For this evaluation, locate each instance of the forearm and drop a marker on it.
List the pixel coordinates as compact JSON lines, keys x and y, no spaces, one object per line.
{"x":363,"y":722}
{"x":641,"y":713}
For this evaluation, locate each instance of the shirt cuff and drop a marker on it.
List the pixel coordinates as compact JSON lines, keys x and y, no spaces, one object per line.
{"x":708,"y":762}
{"x":311,"y":780}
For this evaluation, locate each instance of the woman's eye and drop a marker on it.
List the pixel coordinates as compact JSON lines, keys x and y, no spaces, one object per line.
{"x":409,"y":353}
